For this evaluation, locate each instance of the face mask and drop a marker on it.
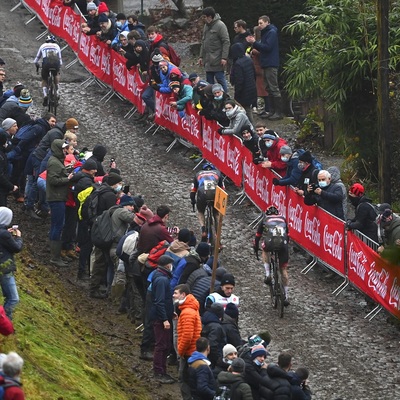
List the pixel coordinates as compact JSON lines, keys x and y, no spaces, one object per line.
{"x":119,"y":24}
{"x":323,"y":184}
{"x":259,"y":363}
{"x":268,"y":144}
{"x":226,"y":361}
{"x":118,"y":188}
{"x":151,"y":39}
{"x":285,"y":159}
{"x":218,"y":97}
{"x":229,"y":113}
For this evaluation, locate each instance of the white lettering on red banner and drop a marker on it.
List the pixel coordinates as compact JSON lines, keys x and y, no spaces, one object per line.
{"x":94,"y":56}
{"x":279,"y":199}
{"x":190,"y":125}
{"x":333,"y":243}
{"x":294,"y":216}
{"x":311,"y":229}
{"x":119,"y":72}
{"x":262,"y":188}
{"x":358,"y":262}
{"x":72,"y":28}
{"x":219,"y":150}
{"x":131,"y":83}
{"x":207,"y":138}
{"x":84,"y":45}
{"x":394,"y":299}
{"x":378,"y":280}
{"x":46,"y":7}
{"x":55,"y":16}
{"x":248,"y":172}
{"x":232,"y":159}
{"x":105,"y":62}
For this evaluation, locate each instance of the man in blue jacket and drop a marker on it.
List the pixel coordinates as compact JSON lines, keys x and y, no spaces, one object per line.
{"x":268,"y":47}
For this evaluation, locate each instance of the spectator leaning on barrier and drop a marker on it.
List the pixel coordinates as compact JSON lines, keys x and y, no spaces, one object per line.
{"x":250,"y":140}
{"x":274,"y":144}
{"x":108,"y":29}
{"x":237,"y":119}
{"x":183,"y":95}
{"x":309,"y":174}
{"x":390,"y":223}
{"x":91,"y":26}
{"x":293,"y":173}
{"x":335,"y":178}
{"x":213,"y":105}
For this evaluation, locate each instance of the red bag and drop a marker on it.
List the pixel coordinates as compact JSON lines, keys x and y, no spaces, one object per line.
{"x":6,"y":326}
{"x":173,"y":56}
{"x":155,"y":253}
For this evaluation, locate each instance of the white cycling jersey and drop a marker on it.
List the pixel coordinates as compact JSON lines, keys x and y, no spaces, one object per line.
{"x":45,"y":49}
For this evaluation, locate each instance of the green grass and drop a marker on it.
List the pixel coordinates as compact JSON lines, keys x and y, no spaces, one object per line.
{"x":64,"y":359}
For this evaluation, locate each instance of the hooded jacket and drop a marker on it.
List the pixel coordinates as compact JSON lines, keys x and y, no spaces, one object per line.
{"x":243,"y":76}
{"x":268,"y":47}
{"x":273,"y":155}
{"x":201,"y":378}
{"x":162,"y":308}
{"x":189,"y":326}
{"x":283,"y":390}
{"x":214,"y":45}
{"x":299,"y":391}
{"x":335,"y":178}
{"x":364,"y":219}
{"x":55,"y":133}
{"x":231,"y":329}
{"x":242,"y":389}
{"x":142,"y":58}
{"x":212,"y":330}
{"x":185,"y":95}
{"x":152,"y":232}
{"x":237,"y":122}
{"x":57,"y":182}
{"x":99,"y":152}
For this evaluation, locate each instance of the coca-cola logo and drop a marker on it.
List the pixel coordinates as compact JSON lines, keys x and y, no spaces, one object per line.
{"x":311,"y":229}
{"x":219,"y":148}
{"x":84,"y":45}
{"x":278,"y":197}
{"x":207,"y":137}
{"x":295,"y":212}
{"x":357,"y":261}
{"x":71,"y":26}
{"x":262,"y":184}
{"x":46,"y":7}
{"x":248,"y":173}
{"x":195,"y":126}
{"x":232,"y":158}
{"x":95,"y":55}
{"x":131,"y":82}
{"x":119,"y":72}
{"x":169,"y":113}
{"x":333,"y":243}
{"x":55,"y":16}
{"x":105,"y":62}
{"x":378,"y":280}
{"x":394,"y":298}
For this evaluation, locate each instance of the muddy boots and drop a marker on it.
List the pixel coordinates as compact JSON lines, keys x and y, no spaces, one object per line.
{"x":55,"y":254}
{"x":277,"y":101}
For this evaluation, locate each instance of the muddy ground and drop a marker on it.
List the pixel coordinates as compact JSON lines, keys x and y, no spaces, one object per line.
{"x":348,"y":356}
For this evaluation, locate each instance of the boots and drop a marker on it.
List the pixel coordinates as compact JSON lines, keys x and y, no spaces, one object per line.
{"x":278,"y":109}
{"x":55,"y":254}
{"x":271,"y":107}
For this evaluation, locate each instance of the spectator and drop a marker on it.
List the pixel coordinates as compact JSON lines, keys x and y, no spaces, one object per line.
{"x":108,"y":29}
{"x":250,"y":140}
{"x":365,"y":215}
{"x":300,"y":388}
{"x":158,"y":43}
{"x":122,"y":26}
{"x":269,"y":59}
{"x":309,"y":174}
{"x":189,"y":330}
{"x":293,"y":172}
{"x":2,"y":79}
{"x":202,"y":382}
{"x":214,"y":49}
{"x":139,"y":57}
{"x":9,"y":106}
{"x":179,"y":248}
{"x":335,"y":178}
{"x":261,"y":129}
{"x":279,"y":374}
{"x":161,"y":315}
{"x":91,"y":26}
{"x":213,"y":105}
{"x":326,"y":195}
{"x":135,"y":25}
{"x":237,"y":119}
{"x":243,"y":79}
{"x":198,"y":87}
{"x":274,"y":144}
{"x":98,"y":155}
{"x":224,"y":295}
{"x":241,"y":33}
{"x":10,"y":243}
{"x":230,"y":325}
{"x":10,"y":380}
{"x":390,"y":223}
{"x":229,"y":353}
{"x":6,"y":185}
{"x":183,"y":93}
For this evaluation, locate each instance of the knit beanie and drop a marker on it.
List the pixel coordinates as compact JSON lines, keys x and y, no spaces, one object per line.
{"x":238,"y":365}
{"x":25,"y":99}
{"x":126,"y":201}
{"x":102,"y":18}
{"x":89,"y":165}
{"x":217,"y":88}
{"x":357,"y":189}
{"x":306,"y":157}
{"x":228,"y":279}
{"x":8,"y":123}
{"x":184,"y":235}
{"x":258,"y":350}
{"x":218,"y":310}
{"x":203,"y":249}
{"x":6,"y":216}
{"x":91,"y":6}
{"x":113,"y":178}
{"x":285,"y":150}
{"x":232,"y":310}
{"x":228,"y":349}
{"x":71,"y":123}
{"x":145,"y":211}
{"x":17,"y":89}
{"x":103,"y":8}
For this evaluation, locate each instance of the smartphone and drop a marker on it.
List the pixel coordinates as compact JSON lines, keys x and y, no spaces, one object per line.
{"x":126,"y":189}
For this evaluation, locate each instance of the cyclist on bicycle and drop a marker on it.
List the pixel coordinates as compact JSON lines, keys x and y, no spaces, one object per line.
{"x":205,"y":184}
{"x":50,"y":52}
{"x":275,"y":231}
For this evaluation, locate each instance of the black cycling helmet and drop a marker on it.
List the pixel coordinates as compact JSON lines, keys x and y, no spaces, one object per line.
{"x":271,"y":210}
{"x":51,"y":39}
{"x":207,"y":166}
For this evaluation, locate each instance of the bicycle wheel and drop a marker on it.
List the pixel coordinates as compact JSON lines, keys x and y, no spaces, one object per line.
{"x":280,"y":295}
{"x":209,"y":227}
{"x":272,"y":286}
{"x":52,"y":95}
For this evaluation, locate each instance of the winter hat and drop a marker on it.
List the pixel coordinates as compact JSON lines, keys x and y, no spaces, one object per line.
{"x":232,"y":310}
{"x":203,"y":249}
{"x":113,"y":178}
{"x":228,"y":279}
{"x":6,"y":216}
{"x":383,"y":207}
{"x":238,"y":365}
{"x":174,"y":84}
{"x":164,"y":260}
{"x":246,"y":128}
{"x":184,"y":235}
{"x":138,"y":200}
{"x":2,"y":62}
{"x":126,"y":200}
{"x":157,"y":58}
{"x":269,"y":134}
{"x":120,"y":16}
{"x":220,"y":272}
{"x":217,"y":88}
{"x":386,"y":214}
{"x":285,"y":150}
{"x":3,"y":138}
{"x":258,"y":350}
{"x":102,"y":18}
{"x":8,"y":123}
{"x":89,"y":165}
{"x":17,"y":89}
{"x":145,"y":211}
{"x":91,"y":6}
{"x":25,"y":99}
{"x":103,"y":8}
{"x":217,"y":309}
{"x":192,"y":241}
{"x":306,"y":157}
{"x":71,"y":123}
{"x":357,"y":189}
{"x":228,"y":349}
{"x":193,"y":76}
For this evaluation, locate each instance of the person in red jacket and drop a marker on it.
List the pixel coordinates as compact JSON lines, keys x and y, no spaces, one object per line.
{"x":10,"y":379}
{"x":274,"y":144}
{"x":189,"y":330}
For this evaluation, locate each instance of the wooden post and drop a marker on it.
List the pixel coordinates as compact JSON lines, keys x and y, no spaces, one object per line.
{"x":216,"y":251}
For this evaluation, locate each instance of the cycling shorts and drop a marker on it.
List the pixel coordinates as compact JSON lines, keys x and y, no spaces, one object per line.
{"x":46,"y":68}
{"x":201,"y":203}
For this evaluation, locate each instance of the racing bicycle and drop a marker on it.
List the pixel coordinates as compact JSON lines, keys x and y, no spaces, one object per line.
{"x":52,"y":91}
{"x":209,"y":224}
{"x":277,"y":291}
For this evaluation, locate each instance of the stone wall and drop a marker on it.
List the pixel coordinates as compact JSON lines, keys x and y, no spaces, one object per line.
{"x":129,"y":6}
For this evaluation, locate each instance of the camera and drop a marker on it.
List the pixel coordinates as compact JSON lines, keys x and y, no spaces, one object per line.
{"x":314,"y":186}
{"x":112,"y":160}
{"x":126,"y":189}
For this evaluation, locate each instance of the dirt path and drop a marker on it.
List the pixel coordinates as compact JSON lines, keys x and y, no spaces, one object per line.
{"x":347,"y":356}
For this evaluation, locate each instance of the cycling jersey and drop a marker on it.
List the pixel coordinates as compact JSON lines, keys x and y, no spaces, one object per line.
{"x":49,"y":51}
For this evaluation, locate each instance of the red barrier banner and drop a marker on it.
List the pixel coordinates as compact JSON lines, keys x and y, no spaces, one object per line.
{"x":96,"y":56}
{"x":120,"y":74}
{"x":373,"y":275}
{"x":224,"y":151}
{"x":41,"y":8}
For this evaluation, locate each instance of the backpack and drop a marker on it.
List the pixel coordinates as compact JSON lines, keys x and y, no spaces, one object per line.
{"x":5,"y":385}
{"x":317,"y":164}
{"x":173,"y":56}
{"x":226,"y":392}
{"x":275,"y":233}
{"x":102,"y":233}
{"x":155,"y":253}
{"x":25,"y":132}
{"x":89,"y":201}
{"x":127,"y":245}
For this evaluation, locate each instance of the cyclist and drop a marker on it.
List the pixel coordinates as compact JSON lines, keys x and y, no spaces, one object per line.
{"x":275,"y":231}
{"x":205,"y":184}
{"x":50,"y":52}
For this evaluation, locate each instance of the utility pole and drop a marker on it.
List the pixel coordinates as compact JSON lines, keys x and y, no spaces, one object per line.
{"x":383,"y":126}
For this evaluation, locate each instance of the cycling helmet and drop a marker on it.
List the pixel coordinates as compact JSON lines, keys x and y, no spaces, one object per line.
{"x":271,"y":210}
{"x":50,"y":39}
{"x":207,"y":166}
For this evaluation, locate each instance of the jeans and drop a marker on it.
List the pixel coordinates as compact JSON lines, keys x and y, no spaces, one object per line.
{"x":148,"y":97}
{"x":85,"y":245}
{"x":41,"y":188}
{"x":271,"y":81}
{"x":10,"y":293}
{"x":162,"y":347}
{"x":57,"y":219}
{"x":31,"y":196}
{"x":148,"y":333}
{"x":69,"y":232}
{"x":219,"y":76}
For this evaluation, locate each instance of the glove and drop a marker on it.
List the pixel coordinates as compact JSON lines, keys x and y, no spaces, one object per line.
{"x":220,"y":130}
{"x":275,"y":181}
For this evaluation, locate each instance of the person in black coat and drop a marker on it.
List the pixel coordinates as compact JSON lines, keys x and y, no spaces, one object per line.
{"x":5,"y":183}
{"x":327,"y":195}
{"x":309,"y":175}
{"x":300,"y":389}
{"x":230,"y":325}
{"x":99,"y":152}
{"x":279,"y":374}
{"x":243,"y":78}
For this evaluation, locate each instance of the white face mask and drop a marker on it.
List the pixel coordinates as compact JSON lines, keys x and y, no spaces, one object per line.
{"x":285,"y":158}
{"x":118,"y":188}
{"x":323,"y":184}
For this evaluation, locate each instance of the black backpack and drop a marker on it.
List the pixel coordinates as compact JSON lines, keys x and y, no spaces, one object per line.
{"x":227,"y":392}
{"x":89,"y":205}
{"x":102,"y":233}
